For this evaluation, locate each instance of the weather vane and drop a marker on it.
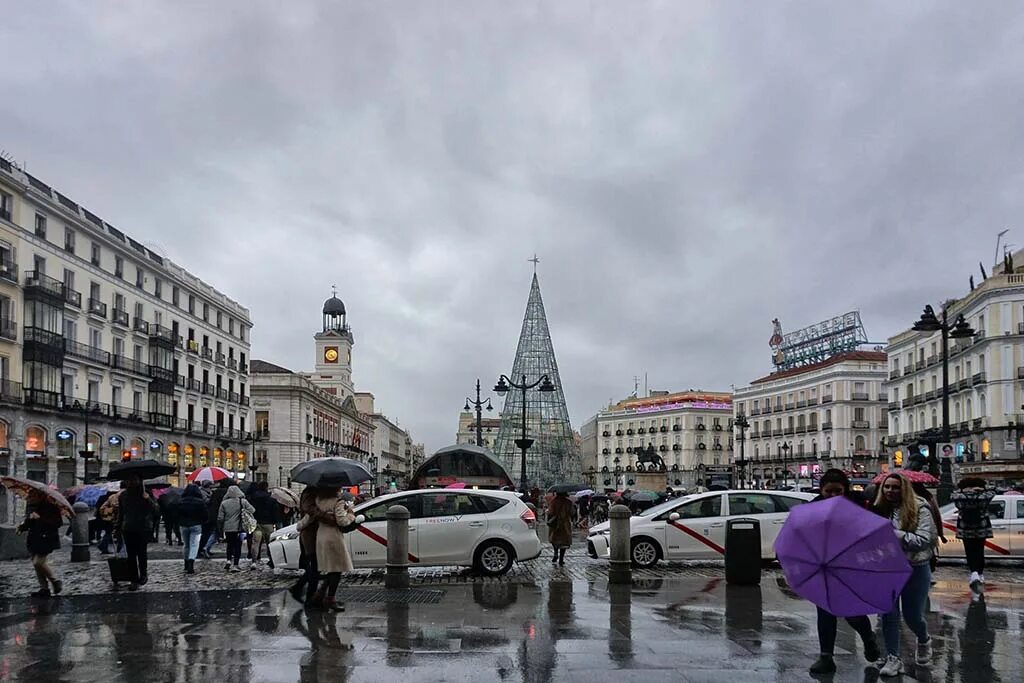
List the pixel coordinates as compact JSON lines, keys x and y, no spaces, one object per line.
{"x":334,"y":290}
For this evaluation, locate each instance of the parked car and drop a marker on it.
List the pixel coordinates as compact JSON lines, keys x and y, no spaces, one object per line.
{"x":488,"y":530}
{"x":1007,"y":514}
{"x":693,"y":527}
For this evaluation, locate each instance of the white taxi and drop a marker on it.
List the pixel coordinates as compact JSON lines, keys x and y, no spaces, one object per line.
{"x":488,"y":530}
{"x":1007,"y":515}
{"x":693,"y":527}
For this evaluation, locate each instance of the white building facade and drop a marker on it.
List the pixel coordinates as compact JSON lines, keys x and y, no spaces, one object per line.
{"x":688,"y":431}
{"x":109,"y":344}
{"x":489,"y":428}
{"x":807,"y":419}
{"x":986,"y":379}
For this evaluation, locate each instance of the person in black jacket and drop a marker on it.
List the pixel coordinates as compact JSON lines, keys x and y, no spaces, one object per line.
{"x":190,"y":512}
{"x":42,"y":522}
{"x":835,"y":483}
{"x":135,"y":510}
{"x":210,"y":528}
{"x":266,"y":519}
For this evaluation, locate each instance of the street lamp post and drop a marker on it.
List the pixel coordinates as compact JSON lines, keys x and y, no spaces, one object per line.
{"x":785,"y":462}
{"x":958,"y":330}
{"x":280,"y":475}
{"x":523,"y":443}
{"x":478,"y":404}
{"x":254,"y":438}
{"x":741,"y":424}
{"x":85,"y":453}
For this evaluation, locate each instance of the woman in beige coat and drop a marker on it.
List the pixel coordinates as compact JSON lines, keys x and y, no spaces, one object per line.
{"x":332,"y":556}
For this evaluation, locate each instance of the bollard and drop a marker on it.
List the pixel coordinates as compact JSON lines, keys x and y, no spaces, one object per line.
{"x":621,"y":570}
{"x":80,"y":533}
{"x":398,"y":547}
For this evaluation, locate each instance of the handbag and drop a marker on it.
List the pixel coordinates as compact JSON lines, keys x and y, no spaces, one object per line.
{"x":248,"y":521}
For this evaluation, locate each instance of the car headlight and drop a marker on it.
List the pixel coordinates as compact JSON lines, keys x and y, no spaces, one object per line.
{"x":284,"y":537}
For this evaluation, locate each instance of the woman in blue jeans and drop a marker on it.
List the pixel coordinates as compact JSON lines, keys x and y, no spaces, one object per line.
{"x":191,"y":513}
{"x":912,"y":521}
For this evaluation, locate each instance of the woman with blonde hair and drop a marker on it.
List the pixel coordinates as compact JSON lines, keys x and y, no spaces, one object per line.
{"x":914,"y":527}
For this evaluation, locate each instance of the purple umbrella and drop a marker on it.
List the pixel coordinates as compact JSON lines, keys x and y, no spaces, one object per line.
{"x":842,"y":558}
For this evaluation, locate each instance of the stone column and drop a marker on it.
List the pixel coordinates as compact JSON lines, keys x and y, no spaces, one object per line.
{"x":398,"y":548}
{"x":621,"y":570}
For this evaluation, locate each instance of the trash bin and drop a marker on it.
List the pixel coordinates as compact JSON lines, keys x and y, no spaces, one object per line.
{"x":743,"y":552}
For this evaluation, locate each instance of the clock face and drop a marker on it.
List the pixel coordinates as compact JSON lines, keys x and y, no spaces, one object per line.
{"x":331,"y":354}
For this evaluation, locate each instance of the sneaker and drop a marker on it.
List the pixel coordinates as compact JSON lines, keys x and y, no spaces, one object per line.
{"x":58,"y":586}
{"x":235,"y":568}
{"x":975,"y":581}
{"x":824,"y":665}
{"x":871,"y":652}
{"x":893,"y":666}
{"x":227,"y":566}
{"x":133,"y":586}
{"x":924,"y":653}
{"x":41,"y":593}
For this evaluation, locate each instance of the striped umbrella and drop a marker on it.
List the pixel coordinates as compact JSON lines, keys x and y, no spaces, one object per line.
{"x":23,"y":487}
{"x":209,"y":474}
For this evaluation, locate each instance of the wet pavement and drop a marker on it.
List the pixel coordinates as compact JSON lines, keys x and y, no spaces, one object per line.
{"x":557,"y":629}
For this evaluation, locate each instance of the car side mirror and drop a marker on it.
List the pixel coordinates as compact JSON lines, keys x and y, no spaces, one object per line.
{"x":360,"y":519}
{"x":674,"y":517}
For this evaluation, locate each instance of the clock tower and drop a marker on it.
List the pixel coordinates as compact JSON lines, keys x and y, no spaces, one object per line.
{"x":334,"y":351}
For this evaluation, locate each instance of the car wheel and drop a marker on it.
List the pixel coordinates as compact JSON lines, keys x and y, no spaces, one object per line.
{"x":494,"y":558}
{"x":645,"y":553}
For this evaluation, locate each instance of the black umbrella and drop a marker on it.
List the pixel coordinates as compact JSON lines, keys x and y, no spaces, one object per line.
{"x":331,"y":472}
{"x":567,"y":488}
{"x":144,"y":469}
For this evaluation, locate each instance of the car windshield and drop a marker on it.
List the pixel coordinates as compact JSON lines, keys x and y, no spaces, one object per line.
{"x":667,"y":505}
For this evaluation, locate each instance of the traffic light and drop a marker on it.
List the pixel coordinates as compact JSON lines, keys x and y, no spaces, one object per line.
{"x":897,"y":458}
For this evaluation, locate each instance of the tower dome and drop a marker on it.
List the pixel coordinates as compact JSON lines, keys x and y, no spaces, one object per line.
{"x":334,"y":306}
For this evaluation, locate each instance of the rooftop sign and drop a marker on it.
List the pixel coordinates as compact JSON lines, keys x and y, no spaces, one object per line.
{"x":816,"y":343}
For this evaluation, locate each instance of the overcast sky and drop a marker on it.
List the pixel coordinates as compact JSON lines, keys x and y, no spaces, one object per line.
{"x":685,"y":171}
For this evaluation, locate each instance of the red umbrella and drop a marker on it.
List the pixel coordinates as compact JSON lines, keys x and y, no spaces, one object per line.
{"x":456,"y":485}
{"x":914,"y":476}
{"x":209,"y":474}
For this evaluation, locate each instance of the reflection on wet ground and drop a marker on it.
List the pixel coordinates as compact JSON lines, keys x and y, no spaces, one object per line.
{"x":656,"y":630}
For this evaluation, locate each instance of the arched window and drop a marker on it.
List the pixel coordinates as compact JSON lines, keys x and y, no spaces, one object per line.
{"x":156,"y":447}
{"x":982,"y":406}
{"x":935,"y":418}
{"x":814,"y":447}
{"x":173,"y":451}
{"x":240,"y":461}
{"x":137,"y":448}
{"x":800,"y":447}
{"x":956,"y":412}
{"x":896,"y":425}
{"x":204,"y":456}
{"x":35,"y":441}
{"x":229,"y":460}
{"x":189,"y":457}
{"x":858,"y":443}
{"x":3,"y":435}
{"x":756,"y":452}
{"x":970,"y":410}
{"x":95,"y":443}
{"x":66,"y":443}
{"x":910,"y":422}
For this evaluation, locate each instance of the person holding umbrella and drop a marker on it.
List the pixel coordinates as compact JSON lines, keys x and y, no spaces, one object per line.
{"x":914,"y":526}
{"x":560,"y":523}
{"x":835,"y":483}
{"x":135,"y":510}
{"x":42,"y":522}
{"x":332,"y":514}
{"x":973,"y":525}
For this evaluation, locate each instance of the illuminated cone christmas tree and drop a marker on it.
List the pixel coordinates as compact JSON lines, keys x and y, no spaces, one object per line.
{"x":554,"y":456}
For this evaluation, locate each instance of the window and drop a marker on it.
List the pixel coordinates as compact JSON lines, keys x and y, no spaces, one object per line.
{"x":158,"y":288}
{"x":696,"y":509}
{"x":118,"y":266}
{"x":378,"y":513}
{"x":140,"y":277}
{"x":231,"y":325}
{"x":175,"y":295}
{"x":220,"y":320}
{"x":137,"y":401}
{"x":95,"y":254}
{"x":40,"y":225}
{"x":69,"y":278}
{"x":1020,"y":509}
{"x":115,"y":396}
{"x":192,"y":304}
{"x":94,"y":391}
{"x":95,"y":338}
{"x":118,"y":346}
{"x":447,"y":504}
{"x":751,"y":504}
{"x":69,"y":240}
{"x":206,"y":311}
{"x":39,"y":264}
{"x":70,"y":330}
{"x":490,"y":503}
{"x":6,"y":206}
{"x":140,"y":312}
{"x":997,"y":509}
{"x":786,"y":503}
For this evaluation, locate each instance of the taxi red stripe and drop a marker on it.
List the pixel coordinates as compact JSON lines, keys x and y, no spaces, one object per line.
{"x":988,"y":544}
{"x":383,"y":541}
{"x":693,"y":534}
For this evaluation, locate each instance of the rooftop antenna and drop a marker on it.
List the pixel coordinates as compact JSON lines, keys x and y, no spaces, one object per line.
{"x":999,"y":238}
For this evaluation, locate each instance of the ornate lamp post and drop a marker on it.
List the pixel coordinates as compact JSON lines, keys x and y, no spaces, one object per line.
{"x":958,"y":330}
{"x":478,"y":404}
{"x":741,"y":424}
{"x":785,"y":462}
{"x":523,"y":443}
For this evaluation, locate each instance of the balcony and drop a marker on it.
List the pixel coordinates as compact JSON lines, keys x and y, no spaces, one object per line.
{"x":86,"y":352}
{"x":978,"y":378}
{"x":9,"y":270}
{"x":826,"y":426}
{"x":11,"y":392}
{"x":801,"y":404}
{"x":964,"y":427}
{"x":162,"y":335}
{"x":894,"y":405}
{"x":677,"y":428}
{"x":222,"y":393}
{"x":894,"y":374}
{"x":206,"y":352}
{"x":860,"y":424}
{"x":209,"y":389}
{"x":930,"y":395}
{"x":129,"y":364}
{"x":180,"y":381}
{"x":38,"y":283}
{"x":233,"y":397}
{"x":858,"y":396}
{"x":755,"y":411}
{"x":72,"y":297}
{"x":220,"y":358}
{"x":789,"y":431}
{"x":932,"y":360}
{"x":801,"y":429}
{"x":963,"y":384}
{"x":38,"y":397}
{"x":979,"y":335}
{"x":141,"y":326}
{"x":907,"y":370}
{"x":243,"y":368}
{"x":977,"y":423}
{"x":755,"y":434}
{"x":790,"y":406}
{"x":160,"y":374}
{"x":98,"y":308}
{"x":767,"y":409}
{"x":245,"y":400}
{"x":232,"y":364}
{"x":919,"y":365}
{"x":812,"y":428}
{"x":9,"y":329}
{"x":120,"y":317}
{"x":195,"y":385}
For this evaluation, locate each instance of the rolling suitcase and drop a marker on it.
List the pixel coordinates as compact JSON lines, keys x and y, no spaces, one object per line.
{"x":121,"y":569}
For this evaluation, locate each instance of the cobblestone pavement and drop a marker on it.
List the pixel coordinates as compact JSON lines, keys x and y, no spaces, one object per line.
{"x":18,"y":579}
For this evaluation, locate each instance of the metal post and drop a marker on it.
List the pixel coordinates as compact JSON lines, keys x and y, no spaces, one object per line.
{"x":397,"y":576}
{"x":945,"y":488}
{"x":522,"y":470}
{"x":479,"y":417}
{"x":80,"y":533}
{"x":621,"y":570}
